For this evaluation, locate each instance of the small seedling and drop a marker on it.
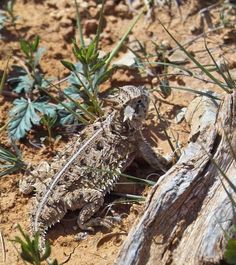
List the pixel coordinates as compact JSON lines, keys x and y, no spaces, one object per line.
{"x":49,"y":122}
{"x":33,"y":54}
{"x":10,"y":162}
{"x":31,"y":106}
{"x":30,"y":249}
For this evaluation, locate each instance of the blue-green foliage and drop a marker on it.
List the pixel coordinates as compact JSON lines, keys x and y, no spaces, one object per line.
{"x":22,"y":83}
{"x":32,"y":106}
{"x":25,"y":113}
{"x":7,"y":14}
{"x":3,"y":19}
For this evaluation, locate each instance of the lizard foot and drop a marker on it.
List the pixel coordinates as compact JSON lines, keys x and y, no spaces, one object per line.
{"x":98,"y":221}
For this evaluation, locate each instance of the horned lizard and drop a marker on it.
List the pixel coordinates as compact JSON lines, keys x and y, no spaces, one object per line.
{"x":81,"y":175}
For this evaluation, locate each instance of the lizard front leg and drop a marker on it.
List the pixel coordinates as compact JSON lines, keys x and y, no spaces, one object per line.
{"x":153,"y":158}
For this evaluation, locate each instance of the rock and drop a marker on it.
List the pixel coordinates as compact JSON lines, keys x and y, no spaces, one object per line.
{"x":127,"y":59}
{"x":137,"y":4}
{"x":84,"y":5}
{"x":180,"y":115}
{"x":68,"y":33}
{"x":122,"y":11}
{"x":90,"y":26}
{"x":92,"y":4}
{"x":106,"y":38}
{"x":155,"y":81}
{"x":112,"y":19}
{"x":149,"y":33}
{"x":109,"y":7}
{"x":61,"y":5}
{"x":229,"y":36}
{"x":65,"y":22}
{"x":178,"y":57}
{"x":60,"y":14}
{"x":165,"y":45}
{"x":94,"y":12}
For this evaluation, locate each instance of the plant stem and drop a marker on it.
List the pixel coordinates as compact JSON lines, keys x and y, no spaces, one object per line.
{"x":79,"y":26}
{"x":4,"y":76}
{"x":116,"y":49}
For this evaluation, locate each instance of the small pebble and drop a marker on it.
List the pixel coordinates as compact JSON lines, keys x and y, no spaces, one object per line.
{"x":81,"y":236}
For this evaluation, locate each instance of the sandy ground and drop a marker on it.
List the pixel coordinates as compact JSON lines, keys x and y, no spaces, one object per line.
{"x":54,"y":22}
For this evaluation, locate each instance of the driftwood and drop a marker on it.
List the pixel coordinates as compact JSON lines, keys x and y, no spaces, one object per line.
{"x":188,"y":209}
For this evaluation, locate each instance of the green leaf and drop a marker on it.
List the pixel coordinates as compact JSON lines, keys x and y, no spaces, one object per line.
{"x":25,"y":255}
{"x":73,"y":92}
{"x":3,"y":19}
{"x":79,"y":54}
{"x":47,"y":251}
{"x":23,"y":115}
{"x":66,"y":117}
{"x":25,"y":47}
{"x":102,"y":76}
{"x":46,"y":108}
{"x":48,"y":121}
{"x":69,"y":65}
{"x":10,"y":162}
{"x":30,"y":250}
{"x":230,"y":252}
{"x":90,"y":50}
{"x":35,"y":44}
{"x":23,"y":83}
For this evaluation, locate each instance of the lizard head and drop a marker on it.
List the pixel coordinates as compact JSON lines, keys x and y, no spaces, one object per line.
{"x":134,"y":102}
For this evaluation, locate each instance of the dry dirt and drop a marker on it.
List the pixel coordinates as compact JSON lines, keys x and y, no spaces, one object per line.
{"x":54,"y":21}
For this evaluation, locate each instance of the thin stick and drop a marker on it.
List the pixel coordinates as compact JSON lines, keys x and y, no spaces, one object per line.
{"x":3,"y":247}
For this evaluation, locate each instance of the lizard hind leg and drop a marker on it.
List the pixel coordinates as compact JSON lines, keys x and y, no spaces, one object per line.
{"x":91,"y":200}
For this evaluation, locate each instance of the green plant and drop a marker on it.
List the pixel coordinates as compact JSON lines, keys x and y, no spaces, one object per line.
{"x":78,"y":103}
{"x":32,"y":105}
{"x":25,"y":113}
{"x":10,"y":161}
{"x":91,"y":69}
{"x":228,"y":83}
{"x":7,"y":14}
{"x":49,"y":122}
{"x":33,"y":54}
{"x":230,"y":250}
{"x":88,"y":73}
{"x":30,"y":249}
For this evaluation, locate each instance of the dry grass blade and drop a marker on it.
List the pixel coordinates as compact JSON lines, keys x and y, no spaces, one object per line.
{"x":4,"y":76}
{"x":3,"y":247}
{"x":196,"y":62}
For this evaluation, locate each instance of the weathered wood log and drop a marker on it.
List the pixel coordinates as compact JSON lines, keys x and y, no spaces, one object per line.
{"x":188,"y":209}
